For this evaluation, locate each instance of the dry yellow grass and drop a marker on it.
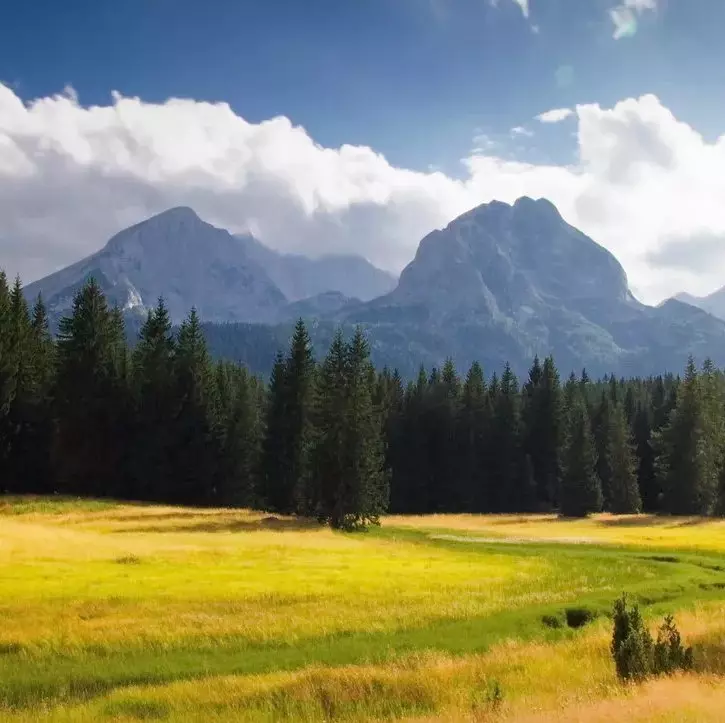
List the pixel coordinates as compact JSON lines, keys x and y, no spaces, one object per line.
{"x":127,"y":612}
{"x":647,"y":531}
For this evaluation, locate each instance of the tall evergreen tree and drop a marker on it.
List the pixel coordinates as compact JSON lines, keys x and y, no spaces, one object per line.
{"x":196,"y":443}
{"x":543,"y":424}
{"x":473,"y":428}
{"x":157,"y":407}
{"x":505,"y":445}
{"x":90,"y":447}
{"x":623,"y":495}
{"x":685,"y":467}
{"x":581,"y":492}
{"x":286,"y":452}
{"x":327,"y":476}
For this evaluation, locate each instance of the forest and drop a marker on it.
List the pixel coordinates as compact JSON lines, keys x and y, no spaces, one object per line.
{"x":84,"y":413}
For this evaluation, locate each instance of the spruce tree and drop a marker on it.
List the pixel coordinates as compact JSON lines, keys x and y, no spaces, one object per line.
{"x":685,"y":464}
{"x":365,"y":493}
{"x":196,"y":443}
{"x":473,"y":428}
{"x":286,"y":451}
{"x":623,"y":490}
{"x":328,"y":474}
{"x":89,"y":452}
{"x":241,"y":404}
{"x":505,"y":450}
{"x":543,"y":427}
{"x":157,"y":406}
{"x":581,"y":492}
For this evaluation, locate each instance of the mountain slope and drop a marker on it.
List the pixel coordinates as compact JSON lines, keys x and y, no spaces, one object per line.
{"x":506,"y":282}
{"x":180,"y":257}
{"x":300,"y":277}
{"x":227,"y":278}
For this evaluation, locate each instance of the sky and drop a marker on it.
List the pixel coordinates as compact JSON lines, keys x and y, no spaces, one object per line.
{"x":359,"y":126}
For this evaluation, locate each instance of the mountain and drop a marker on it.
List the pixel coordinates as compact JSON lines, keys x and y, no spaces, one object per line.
{"x":227,"y":278}
{"x":500,"y":283}
{"x":506,"y":282}
{"x":180,"y":257}
{"x":713,"y":303}
{"x":300,"y":277}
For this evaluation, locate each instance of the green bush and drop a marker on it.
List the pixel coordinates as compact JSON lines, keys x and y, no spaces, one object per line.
{"x":669,"y":653}
{"x":636,"y":655}
{"x":632,"y":645}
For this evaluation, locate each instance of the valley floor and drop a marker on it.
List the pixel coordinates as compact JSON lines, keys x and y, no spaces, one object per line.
{"x":113,"y":612}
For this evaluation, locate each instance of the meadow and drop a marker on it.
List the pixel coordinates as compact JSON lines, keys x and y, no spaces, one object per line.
{"x":119,"y":612}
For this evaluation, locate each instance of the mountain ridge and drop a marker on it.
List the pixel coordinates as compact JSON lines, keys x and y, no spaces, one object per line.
{"x":177,"y":255}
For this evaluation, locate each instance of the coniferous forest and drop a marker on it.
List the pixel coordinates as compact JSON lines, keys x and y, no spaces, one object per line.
{"x":85,"y":414}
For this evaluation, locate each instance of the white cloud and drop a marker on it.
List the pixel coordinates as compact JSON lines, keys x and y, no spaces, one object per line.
{"x":523,"y":4}
{"x":624,"y":16}
{"x":71,"y":176}
{"x":521,"y":131}
{"x":556,"y":115}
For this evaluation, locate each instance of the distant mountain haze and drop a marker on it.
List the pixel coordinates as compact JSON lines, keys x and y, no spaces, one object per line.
{"x":713,"y":303}
{"x":192,"y":263}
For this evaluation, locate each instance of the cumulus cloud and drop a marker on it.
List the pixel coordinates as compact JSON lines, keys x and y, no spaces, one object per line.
{"x":71,"y":176}
{"x":521,"y":131}
{"x":556,"y":115}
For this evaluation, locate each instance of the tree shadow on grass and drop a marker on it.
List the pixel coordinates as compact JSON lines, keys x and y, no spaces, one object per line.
{"x":278,"y":524}
{"x":652,"y":521}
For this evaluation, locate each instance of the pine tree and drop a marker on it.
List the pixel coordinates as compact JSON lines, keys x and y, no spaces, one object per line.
{"x":505,"y":445}
{"x":156,"y":407}
{"x":350,"y":484}
{"x":409,"y":450}
{"x":581,"y":492}
{"x":241,"y":402}
{"x":196,"y":443}
{"x":327,"y":452}
{"x":601,"y":428}
{"x":440,"y":433}
{"x":19,"y":391}
{"x":473,"y":428}
{"x":685,"y":462}
{"x":365,"y":494}
{"x":286,"y":452}
{"x":543,"y":425}
{"x":90,"y":447}
{"x":37,"y":443}
{"x":623,"y":490}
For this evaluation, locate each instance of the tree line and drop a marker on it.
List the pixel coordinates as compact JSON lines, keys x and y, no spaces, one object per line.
{"x":84,"y":413}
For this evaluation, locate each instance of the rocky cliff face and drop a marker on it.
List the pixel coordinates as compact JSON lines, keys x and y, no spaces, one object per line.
{"x":505,"y":282}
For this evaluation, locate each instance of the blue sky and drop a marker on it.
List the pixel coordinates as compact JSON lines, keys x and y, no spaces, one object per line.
{"x":393,"y":116}
{"x":414,"y":79}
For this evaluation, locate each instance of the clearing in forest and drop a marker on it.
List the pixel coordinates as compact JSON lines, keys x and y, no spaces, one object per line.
{"x":117,"y":612}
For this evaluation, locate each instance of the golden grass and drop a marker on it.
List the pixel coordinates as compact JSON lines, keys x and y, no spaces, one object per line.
{"x":647,"y":531}
{"x":82,"y":583}
{"x":120,"y":574}
{"x":541,"y":683}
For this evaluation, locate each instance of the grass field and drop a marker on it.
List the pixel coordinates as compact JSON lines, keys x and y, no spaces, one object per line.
{"x":128,"y":612}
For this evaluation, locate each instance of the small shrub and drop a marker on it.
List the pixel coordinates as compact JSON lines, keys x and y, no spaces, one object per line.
{"x":128,"y":560}
{"x":669,"y":653}
{"x":632,"y":646}
{"x":636,"y":655}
